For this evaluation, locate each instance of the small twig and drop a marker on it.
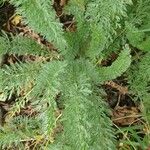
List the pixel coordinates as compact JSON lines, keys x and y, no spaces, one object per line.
{"x":125,"y":117}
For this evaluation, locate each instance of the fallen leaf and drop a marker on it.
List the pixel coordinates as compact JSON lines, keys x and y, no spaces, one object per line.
{"x":16,"y":19}
{"x":125,"y":115}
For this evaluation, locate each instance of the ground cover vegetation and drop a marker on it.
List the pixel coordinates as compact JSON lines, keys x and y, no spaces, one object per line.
{"x":74,"y":74}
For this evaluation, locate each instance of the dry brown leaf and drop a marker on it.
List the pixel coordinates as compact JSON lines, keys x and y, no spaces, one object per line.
{"x":125,"y":115}
{"x":16,"y":19}
{"x":121,"y":89}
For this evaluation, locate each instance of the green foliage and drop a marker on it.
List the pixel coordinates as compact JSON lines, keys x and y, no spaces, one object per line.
{"x":118,"y":67}
{"x":84,"y":109}
{"x":137,"y":38}
{"x":21,"y":46}
{"x":1,"y":2}
{"x":137,"y":27}
{"x":104,"y":17}
{"x":134,"y":36}
{"x":45,"y":21}
{"x":135,"y":140}
{"x":137,"y":32}
{"x":142,"y":76}
{"x":75,"y":79}
{"x":18,"y":131}
{"x":18,"y":76}
{"x":140,"y":13}
{"x":145,"y":44}
{"x":97,"y":22}
{"x":139,"y":80}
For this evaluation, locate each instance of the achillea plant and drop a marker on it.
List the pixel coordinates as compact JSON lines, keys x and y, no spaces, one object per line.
{"x":74,"y":77}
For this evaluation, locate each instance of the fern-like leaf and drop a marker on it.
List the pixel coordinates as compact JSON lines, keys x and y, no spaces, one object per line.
{"x":139,"y":85}
{"x":139,"y":79}
{"x":117,"y":68}
{"x":45,"y":84}
{"x":18,"y":76}
{"x":86,"y":121}
{"x":41,"y":17}
{"x":21,"y":46}
{"x":104,"y":17}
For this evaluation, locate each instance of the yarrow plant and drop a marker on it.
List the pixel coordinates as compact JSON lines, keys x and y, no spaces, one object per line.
{"x":73,"y":80}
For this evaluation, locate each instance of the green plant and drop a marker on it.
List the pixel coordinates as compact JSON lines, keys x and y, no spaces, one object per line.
{"x":74,"y":75}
